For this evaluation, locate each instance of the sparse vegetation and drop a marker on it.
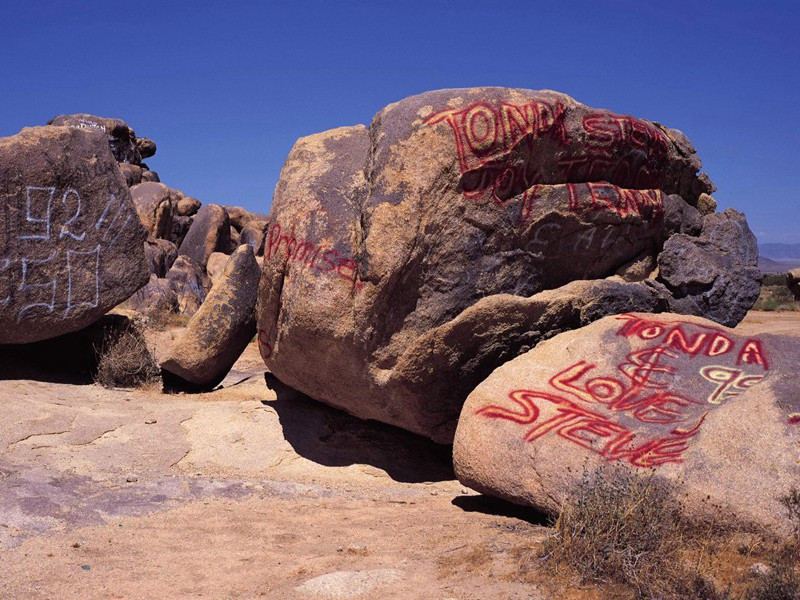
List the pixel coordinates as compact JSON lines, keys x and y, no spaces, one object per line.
{"x":775,"y":294}
{"x":124,"y":360}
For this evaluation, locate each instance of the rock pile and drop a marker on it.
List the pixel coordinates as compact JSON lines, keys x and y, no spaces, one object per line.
{"x":715,"y":413}
{"x":405,"y":261}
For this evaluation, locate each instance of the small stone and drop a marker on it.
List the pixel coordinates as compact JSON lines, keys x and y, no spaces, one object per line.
{"x":131,"y":479}
{"x":151,"y":422}
{"x":759,"y":570}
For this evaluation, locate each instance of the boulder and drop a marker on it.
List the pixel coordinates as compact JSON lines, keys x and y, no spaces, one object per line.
{"x":71,"y":246}
{"x":160,"y":254}
{"x":716,"y":273}
{"x":216,"y":266}
{"x":235,"y":239}
{"x":711,"y":411}
{"x":187,"y":207}
{"x":706,"y":204}
{"x":180,"y":227}
{"x":148,"y":175}
{"x":120,"y":137}
{"x":155,"y":299}
{"x":793,"y":282}
{"x":146,"y":147}
{"x":189,"y":282}
{"x":154,"y":206}
{"x":240,"y":217}
{"x":210,"y":232}
{"x":131,"y":173}
{"x":454,"y":210}
{"x":219,"y":332}
{"x":253,"y":234}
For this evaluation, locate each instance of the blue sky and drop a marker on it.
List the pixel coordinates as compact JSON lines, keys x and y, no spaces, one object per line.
{"x":225,"y":88}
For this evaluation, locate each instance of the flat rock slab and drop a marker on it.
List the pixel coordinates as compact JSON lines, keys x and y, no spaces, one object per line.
{"x":713,"y":412}
{"x":71,"y":244}
{"x":348,"y":584}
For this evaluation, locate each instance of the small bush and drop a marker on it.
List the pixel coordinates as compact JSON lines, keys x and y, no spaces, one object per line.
{"x":622,"y":528}
{"x":781,"y":583}
{"x":125,"y":360}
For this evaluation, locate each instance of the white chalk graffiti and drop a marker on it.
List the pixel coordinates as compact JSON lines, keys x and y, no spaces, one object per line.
{"x":31,"y":194}
{"x":29,"y":264}
{"x":36,"y":282}
{"x":65,"y":230}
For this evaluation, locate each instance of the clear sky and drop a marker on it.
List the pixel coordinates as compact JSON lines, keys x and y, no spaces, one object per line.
{"x":225,"y":88}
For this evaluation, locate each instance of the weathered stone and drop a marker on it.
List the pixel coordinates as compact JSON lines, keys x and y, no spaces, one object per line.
{"x":180,"y":227}
{"x":146,"y":147}
{"x":216,"y":266}
{"x":706,"y":204}
{"x":716,"y":274}
{"x":240,"y":217}
{"x":187,"y":207}
{"x":120,"y":137}
{"x":131,"y":173}
{"x":253,"y":234}
{"x":160,"y":254}
{"x":210,"y":232}
{"x":382,"y":240}
{"x":148,"y":175}
{"x":71,"y":246}
{"x":235,"y":239}
{"x":155,"y":299}
{"x":153,"y":202}
{"x":189,"y":282}
{"x":712,"y":412}
{"x":680,"y":217}
{"x":219,"y":332}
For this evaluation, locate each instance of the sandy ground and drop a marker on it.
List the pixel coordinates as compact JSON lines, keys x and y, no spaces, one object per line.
{"x":245,"y":492}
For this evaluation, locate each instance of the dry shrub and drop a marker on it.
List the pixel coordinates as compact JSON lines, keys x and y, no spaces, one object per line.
{"x":125,"y":360}
{"x":622,"y":528}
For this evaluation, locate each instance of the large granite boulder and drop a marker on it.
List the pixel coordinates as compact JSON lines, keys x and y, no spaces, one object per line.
{"x":71,"y":245}
{"x":219,"y":332}
{"x":395,"y":255}
{"x":793,"y":282}
{"x":156,"y":299}
{"x":253,"y":234}
{"x":713,"y":412}
{"x":160,"y":254}
{"x":210,"y":232}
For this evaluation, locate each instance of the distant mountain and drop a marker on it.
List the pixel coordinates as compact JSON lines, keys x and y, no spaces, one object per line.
{"x":780,"y":251}
{"x":767,"y":265}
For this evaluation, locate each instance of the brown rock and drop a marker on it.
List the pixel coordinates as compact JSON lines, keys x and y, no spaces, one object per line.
{"x":383,"y":242}
{"x":216,"y":266}
{"x":219,"y":332}
{"x":180,"y":227}
{"x":711,"y":411}
{"x":190,"y":283}
{"x":131,"y":173}
{"x":160,"y":254}
{"x":146,"y":147}
{"x":706,"y":204}
{"x":240,"y":217}
{"x":253,"y":234}
{"x":71,"y":246}
{"x":148,"y":175}
{"x":187,"y":207}
{"x":154,"y":206}
{"x":793,"y":282}
{"x":155,"y":299}
{"x":235,"y":239}
{"x":210,"y":232}
{"x":120,"y":137}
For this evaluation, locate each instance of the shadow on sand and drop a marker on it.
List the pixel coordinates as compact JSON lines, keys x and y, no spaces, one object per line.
{"x":333,"y":438}
{"x":501,"y":508}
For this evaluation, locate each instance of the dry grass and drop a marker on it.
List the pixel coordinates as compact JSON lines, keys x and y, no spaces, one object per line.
{"x":620,"y":528}
{"x":775,"y":294}
{"x":125,"y":361}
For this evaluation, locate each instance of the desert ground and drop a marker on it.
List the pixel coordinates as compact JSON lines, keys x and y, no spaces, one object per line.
{"x":249,"y":492}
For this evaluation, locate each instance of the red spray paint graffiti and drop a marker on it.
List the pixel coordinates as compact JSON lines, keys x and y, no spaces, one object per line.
{"x":639,"y":417}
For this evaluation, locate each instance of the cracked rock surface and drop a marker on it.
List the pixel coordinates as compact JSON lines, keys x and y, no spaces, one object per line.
{"x":406,"y":260}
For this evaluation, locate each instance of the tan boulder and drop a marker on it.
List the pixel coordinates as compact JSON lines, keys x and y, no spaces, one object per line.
{"x":153,"y":202}
{"x":384,"y":239}
{"x":187,"y":279}
{"x":209,"y":232}
{"x":715,"y":413}
{"x":219,"y":332}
